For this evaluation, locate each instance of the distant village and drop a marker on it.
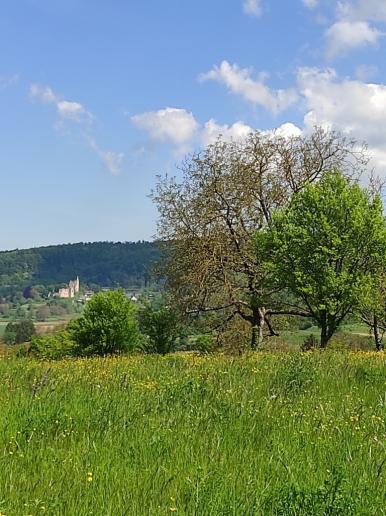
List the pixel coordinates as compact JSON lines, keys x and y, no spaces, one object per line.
{"x":73,"y":290}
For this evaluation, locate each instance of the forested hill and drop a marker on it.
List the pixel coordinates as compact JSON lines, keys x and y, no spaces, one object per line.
{"x":104,"y":264}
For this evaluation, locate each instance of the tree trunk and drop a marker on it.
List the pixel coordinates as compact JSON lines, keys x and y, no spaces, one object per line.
{"x":257,"y":328}
{"x":323,"y":332}
{"x":377,"y":339}
{"x":254,"y":337}
{"x":328,"y":327}
{"x":323,"y":337}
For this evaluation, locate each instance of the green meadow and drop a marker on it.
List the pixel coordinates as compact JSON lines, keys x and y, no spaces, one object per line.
{"x":266,"y":433}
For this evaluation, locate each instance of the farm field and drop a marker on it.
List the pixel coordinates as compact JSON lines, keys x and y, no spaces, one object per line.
{"x":266,"y":433}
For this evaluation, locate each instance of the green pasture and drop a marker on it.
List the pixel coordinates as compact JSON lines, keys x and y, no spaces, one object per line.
{"x":264,"y":434}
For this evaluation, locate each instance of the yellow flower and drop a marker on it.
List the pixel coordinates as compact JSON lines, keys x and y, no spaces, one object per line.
{"x":173,"y":509}
{"x":89,"y":477}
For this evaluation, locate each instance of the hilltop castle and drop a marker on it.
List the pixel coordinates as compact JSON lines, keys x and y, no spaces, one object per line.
{"x":71,"y":290}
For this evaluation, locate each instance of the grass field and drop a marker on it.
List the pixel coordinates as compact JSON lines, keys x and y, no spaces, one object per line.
{"x":270,"y":433}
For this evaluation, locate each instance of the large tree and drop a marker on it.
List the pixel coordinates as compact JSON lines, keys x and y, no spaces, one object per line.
{"x":224,"y":195}
{"x":326,"y":246}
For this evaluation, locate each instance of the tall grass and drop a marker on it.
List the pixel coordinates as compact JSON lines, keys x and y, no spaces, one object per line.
{"x":286,"y":434}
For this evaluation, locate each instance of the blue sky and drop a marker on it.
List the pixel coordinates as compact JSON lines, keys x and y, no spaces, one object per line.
{"x":97,"y":97}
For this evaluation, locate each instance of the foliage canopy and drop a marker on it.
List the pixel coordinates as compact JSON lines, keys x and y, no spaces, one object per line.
{"x":325,"y":247}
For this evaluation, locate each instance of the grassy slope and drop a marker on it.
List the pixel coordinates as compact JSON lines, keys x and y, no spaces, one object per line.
{"x":291,"y":434}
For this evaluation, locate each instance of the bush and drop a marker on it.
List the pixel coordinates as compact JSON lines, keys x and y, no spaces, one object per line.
{"x":202,"y":343}
{"x":311,"y":342}
{"x":19,"y":332}
{"x":107,"y":326}
{"x":161,"y":327}
{"x":55,"y":346}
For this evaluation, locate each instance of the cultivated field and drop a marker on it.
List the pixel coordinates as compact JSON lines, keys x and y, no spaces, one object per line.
{"x":270,"y":433}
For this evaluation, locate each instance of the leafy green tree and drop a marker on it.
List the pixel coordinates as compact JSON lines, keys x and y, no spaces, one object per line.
{"x":108,"y":325}
{"x":19,"y":331}
{"x":162,"y":328}
{"x":325,"y":247}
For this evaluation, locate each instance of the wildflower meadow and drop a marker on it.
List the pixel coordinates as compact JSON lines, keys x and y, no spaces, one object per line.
{"x":268,"y":433}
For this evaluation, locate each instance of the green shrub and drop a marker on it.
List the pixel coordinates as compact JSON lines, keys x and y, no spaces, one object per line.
{"x":19,"y":332}
{"x":311,"y":342}
{"x":108,"y":325}
{"x":202,"y":343}
{"x":54,"y":346}
{"x":161,"y":328}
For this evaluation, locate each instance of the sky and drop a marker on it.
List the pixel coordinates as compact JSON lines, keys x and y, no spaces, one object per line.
{"x":98,"y":97}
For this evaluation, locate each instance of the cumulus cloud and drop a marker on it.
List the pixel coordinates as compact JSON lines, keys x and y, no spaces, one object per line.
{"x":236,"y":132}
{"x":252,"y":7}
{"x":356,"y":25}
{"x":287,"y":130}
{"x":173,"y":125}
{"x":239,"y":82}
{"x":350,"y":105}
{"x":344,"y":36}
{"x":182,"y":130}
{"x":353,"y":107}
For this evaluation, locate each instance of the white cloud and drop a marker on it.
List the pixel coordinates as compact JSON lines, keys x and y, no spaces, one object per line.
{"x":353,"y":107}
{"x":356,"y":25}
{"x":252,"y":7}
{"x":161,"y":126}
{"x":76,"y":112}
{"x":72,"y":110}
{"x":112,"y":161}
{"x":286,"y":130}
{"x":344,"y":36}
{"x":211,"y":131}
{"x":173,"y":125}
{"x":66,"y":110}
{"x":239,"y":82}
{"x":360,"y":10}
{"x":43,"y":94}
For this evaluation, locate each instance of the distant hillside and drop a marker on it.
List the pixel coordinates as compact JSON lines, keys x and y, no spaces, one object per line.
{"x":105,"y":264}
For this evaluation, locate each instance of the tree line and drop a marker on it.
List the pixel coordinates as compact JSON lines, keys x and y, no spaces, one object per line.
{"x":98,"y":264}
